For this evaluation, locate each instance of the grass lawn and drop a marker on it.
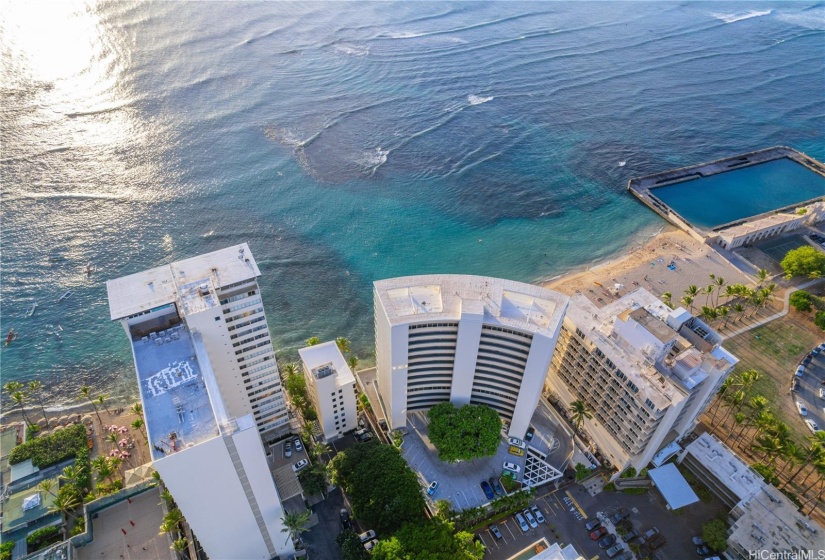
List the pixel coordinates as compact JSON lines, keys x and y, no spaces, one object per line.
{"x":774,"y":350}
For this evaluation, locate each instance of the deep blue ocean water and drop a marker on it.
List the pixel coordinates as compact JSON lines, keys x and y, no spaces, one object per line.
{"x":738,"y":193}
{"x":351,"y":142}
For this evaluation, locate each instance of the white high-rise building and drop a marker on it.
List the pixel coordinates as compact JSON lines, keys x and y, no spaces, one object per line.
{"x":331,"y":386}
{"x":644,"y":370}
{"x":464,"y":339}
{"x":216,"y":294}
{"x":199,"y":412}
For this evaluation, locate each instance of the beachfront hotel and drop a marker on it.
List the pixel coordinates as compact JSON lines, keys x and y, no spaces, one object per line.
{"x":216,"y":295}
{"x":644,"y":370}
{"x":202,"y":426}
{"x":464,"y":339}
{"x":331,"y":387}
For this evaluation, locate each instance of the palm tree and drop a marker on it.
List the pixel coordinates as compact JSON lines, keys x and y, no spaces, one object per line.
{"x":112,"y":438}
{"x":295,"y":524}
{"x":738,"y":419}
{"x":740,"y":309}
{"x":352,"y":362}
{"x":46,"y":486}
{"x":179,"y":545}
{"x":307,"y":431}
{"x":709,"y":314}
{"x":718,"y":284}
{"x":724,"y":313}
{"x":321,"y":449}
{"x":71,"y":474}
{"x":692,"y":291}
{"x":667,"y":299}
{"x":688,"y":300}
{"x":36,"y":390}
{"x":86,"y":393}
{"x":342,"y":344}
{"x":791,"y":454}
{"x":757,"y":405}
{"x":579,"y":411}
{"x":19,"y":398}
{"x":819,"y":465}
{"x":724,"y":388}
{"x":65,"y":503}
{"x":734,"y":401}
{"x":763,"y":420}
{"x":137,"y":408}
{"x":289,"y":369}
{"x":313,"y":340}
{"x":815,"y":448}
{"x":762,"y":275}
{"x":101,"y":400}
{"x":708,"y":291}
{"x":770,"y":446}
{"x":821,"y":470}
{"x":103,"y":467}
{"x":137,"y":425}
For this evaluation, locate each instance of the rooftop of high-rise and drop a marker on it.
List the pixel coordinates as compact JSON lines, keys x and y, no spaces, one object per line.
{"x":324,"y":360}
{"x":517,"y":305}
{"x":168,"y":283}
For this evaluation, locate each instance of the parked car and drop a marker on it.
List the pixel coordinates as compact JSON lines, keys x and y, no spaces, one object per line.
{"x":530,"y":518}
{"x":488,"y":491}
{"x":800,"y":371}
{"x":697,"y":541}
{"x":300,"y":465}
{"x":795,"y":386}
{"x":630,"y":535}
{"x":496,"y":533}
{"x":703,"y":550}
{"x":539,"y":515}
{"x":345,"y":520}
{"x":529,"y":435}
{"x":801,"y":408}
{"x":812,"y":425}
{"x":370,"y":545}
{"x":496,"y":486}
{"x":517,"y":451}
{"x":288,"y":449}
{"x":298,"y":446}
{"x":619,"y":515}
{"x":508,"y":466}
{"x":614,"y":550}
{"x":367,"y":536}
{"x":656,"y":542}
{"x":607,"y":541}
{"x":822,"y":393}
{"x":522,"y":523}
{"x":432,"y":488}
{"x":592,"y":523}
{"x":598,"y":533}
{"x":515,"y":442}
{"x":626,"y":555}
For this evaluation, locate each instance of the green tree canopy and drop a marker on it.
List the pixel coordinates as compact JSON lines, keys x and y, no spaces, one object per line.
{"x":801,"y":300}
{"x":433,"y":539}
{"x":464,"y":433}
{"x":715,"y":534}
{"x":804,"y":261}
{"x":819,"y":320}
{"x":351,"y":546}
{"x":383,"y":491}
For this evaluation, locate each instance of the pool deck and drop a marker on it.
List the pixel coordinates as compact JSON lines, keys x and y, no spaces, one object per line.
{"x":642,"y":187}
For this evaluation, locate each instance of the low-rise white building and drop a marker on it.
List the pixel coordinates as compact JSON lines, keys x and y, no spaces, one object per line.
{"x":331,"y":386}
{"x":464,"y":339}
{"x":761,"y":517}
{"x":645,"y":372}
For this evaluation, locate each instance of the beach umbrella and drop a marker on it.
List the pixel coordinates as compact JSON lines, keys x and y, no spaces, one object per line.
{"x":113,"y":453}
{"x":123,"y":443}
{"x":123,"y":430}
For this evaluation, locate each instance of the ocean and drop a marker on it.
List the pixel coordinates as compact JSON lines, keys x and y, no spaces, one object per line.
{"x":349,"y":142}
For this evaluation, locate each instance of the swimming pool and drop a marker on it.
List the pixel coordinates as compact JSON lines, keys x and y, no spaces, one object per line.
{"x":732,"y":195}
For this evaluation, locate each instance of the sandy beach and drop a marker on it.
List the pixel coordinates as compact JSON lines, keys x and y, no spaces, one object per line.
{"x":669,"y":262}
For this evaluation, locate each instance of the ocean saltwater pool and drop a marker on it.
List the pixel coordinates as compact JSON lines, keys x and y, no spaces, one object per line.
{"x":739,"y":193}
{"x":348,"y":142}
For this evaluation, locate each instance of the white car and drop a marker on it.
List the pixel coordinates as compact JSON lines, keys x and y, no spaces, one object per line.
{"x":530,"y":519}
{"x":801,"y":408}
{"x":300,"y":465}
{"x":298,"y":446}
{"x":516,"y":442}
{"x":369,"y":545}
{"x":511,"y":467}
{"x":822,"y":393}
{"x":367,"y":536}
{"x":800,"y":371}
{"x":537,"y":512}
{"x":812,"y":426}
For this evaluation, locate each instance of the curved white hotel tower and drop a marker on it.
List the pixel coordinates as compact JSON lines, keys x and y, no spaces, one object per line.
{"x":464,"y":339}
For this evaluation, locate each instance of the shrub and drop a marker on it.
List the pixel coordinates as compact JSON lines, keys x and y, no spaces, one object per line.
{"x":5,"y":550}
{"x":819,"y":320}
{"x":629,"y":473}
{"x":609,"y":487}
{"x":42,"y":536}
{"x":464,"y":433}
{"x":635,"y":491}
{"x":52,"y":449}
{"x":31,"y":431}
{"x":801,"y":300}
{"x":804,"y":261}
{"x":715,"y":533}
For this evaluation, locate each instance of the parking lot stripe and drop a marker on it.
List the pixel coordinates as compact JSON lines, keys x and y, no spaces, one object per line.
{"x":492,"y":538}
{"x":508,"y":529}
{"x":575,"y":503}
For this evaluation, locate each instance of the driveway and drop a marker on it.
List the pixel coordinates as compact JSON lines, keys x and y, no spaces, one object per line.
{"x":320,"y":539}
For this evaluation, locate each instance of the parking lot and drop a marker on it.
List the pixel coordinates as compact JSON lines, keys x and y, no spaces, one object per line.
{"x":809,"y":386}
{"x":281,"y":466}
{"x":567,"y":509}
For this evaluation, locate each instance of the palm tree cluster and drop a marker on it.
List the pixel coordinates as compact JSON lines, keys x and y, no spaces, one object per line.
{"x":19,"y":393}
{"x":756,"y":431}
{"x":739,"y":299}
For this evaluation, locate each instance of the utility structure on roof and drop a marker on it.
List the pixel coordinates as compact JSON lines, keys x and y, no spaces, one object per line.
{"x":209,"y":387}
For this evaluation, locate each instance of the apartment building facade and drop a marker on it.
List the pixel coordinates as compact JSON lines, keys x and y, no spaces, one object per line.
{"x":645,"y":372}
{"x":233,"y":324}
{"x":464,"y":339}
{"x":331,"y":387}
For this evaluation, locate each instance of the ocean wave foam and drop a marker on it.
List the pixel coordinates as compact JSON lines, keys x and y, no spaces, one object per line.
{"x":810,"y":19}
{"x":352,"y":50}
{"x":478,"y":100}
{"x":731,"y":18}
{"x":374,"y":159}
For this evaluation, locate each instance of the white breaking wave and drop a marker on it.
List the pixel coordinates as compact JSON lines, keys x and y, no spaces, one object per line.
{"x":731,"y":18}
{"x":403,"y":35}
{"x":352,"y":50}
{"x":374,"y":159}
{"x":810,"y":19}
{"x":478,"y":100}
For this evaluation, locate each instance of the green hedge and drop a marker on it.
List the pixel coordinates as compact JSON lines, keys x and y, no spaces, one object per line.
{"x":37,"y":538}
{"x":5,"y":550}
{"x":52,"y":449}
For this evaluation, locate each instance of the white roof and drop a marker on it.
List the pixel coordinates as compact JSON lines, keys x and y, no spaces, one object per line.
{"x":158,"y":286}
{"x":415,"y":299}
{"x":760,"y":224}
{"x":325,"y":354}
{"x":673,"y":486}
{"x":725,"y":466}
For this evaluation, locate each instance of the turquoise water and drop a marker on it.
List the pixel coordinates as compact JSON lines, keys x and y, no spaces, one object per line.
{"x":348,"y":142}
{"x":739,"y":193}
